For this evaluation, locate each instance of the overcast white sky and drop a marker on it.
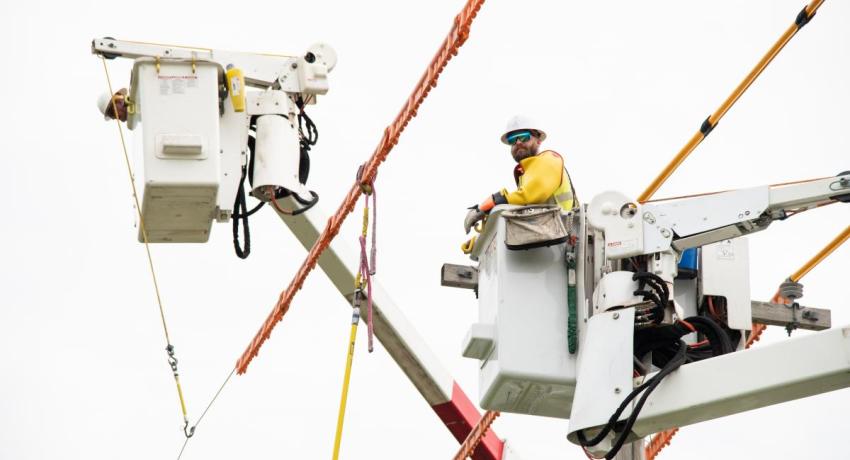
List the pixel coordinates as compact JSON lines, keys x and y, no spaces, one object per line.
{"x":620,"y":86}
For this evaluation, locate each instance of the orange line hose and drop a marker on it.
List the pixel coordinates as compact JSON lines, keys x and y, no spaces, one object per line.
{"x":474,"y":438}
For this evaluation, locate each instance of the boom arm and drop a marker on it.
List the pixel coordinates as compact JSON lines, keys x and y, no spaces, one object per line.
{"x":292,"y":74}
{"x":633,"y":229}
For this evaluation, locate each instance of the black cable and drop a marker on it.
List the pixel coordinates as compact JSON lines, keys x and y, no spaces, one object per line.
{"x":716,"y":336}
{"x":614,"y":417}
{"x":282,"y":192}
{"x":663,"y":340}
{"x":661,"y":298}
{"x":306,"y":141}
{"x":649,"y":295}
{"x":655,"y":280}
{"x":630,"y":422}
{"x":646,"y":388}
{"x":656,"y":313}
{"x":251,"y":212}
{"x":243,"y":216}
{"x":307,"y":204}
{"x":305,"y":120}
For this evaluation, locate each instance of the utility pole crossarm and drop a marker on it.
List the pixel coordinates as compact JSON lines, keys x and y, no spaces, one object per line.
{"x":774,"y":314}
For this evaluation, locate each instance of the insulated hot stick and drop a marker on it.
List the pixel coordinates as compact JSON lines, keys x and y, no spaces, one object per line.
{"x":710,"y":123}
{"x":661,"y":440}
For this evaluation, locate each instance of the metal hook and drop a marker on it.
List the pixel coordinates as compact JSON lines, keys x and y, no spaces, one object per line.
{"x":191,"y":431}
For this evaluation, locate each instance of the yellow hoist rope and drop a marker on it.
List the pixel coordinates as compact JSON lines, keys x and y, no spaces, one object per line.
{"x":169,"y":347}
{"x":355,"y":320}
{"x":469,"y":245}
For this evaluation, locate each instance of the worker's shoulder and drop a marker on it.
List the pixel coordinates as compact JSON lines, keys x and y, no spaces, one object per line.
{"x":550,"y":155}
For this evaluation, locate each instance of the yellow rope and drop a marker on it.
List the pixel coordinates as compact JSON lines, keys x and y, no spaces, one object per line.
{"x":469,"y":245}
{"x":144,"y":233}
{"x":346,"y":380}
{"x":355,"y":320}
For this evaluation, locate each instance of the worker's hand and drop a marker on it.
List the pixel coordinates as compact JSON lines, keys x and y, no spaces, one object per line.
{"x":472,"y":217}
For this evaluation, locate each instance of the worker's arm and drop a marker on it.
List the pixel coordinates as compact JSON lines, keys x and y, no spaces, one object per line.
{"x":542,"y":176}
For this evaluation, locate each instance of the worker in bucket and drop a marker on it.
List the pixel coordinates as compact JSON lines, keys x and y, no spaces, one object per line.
{"x":540,"y":176}
{"x":109,"y":105}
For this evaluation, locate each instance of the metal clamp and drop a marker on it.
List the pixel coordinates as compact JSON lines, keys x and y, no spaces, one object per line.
{"x":365,"y":187}
{"x":792,"y":326}
{"x":172,"y":360}
{"x":357,"y":297}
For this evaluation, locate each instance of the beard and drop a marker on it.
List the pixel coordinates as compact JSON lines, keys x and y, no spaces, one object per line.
{"x":521,"y":153}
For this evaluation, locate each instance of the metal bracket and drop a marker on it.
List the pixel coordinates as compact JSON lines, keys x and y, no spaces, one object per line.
{"x":459,"y":276}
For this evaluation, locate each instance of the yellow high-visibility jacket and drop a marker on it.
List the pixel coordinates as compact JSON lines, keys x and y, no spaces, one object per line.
{"x":541,"y":179}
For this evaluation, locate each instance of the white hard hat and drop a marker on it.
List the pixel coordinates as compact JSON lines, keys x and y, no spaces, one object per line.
{"x":519,"y":123}
{"x":103,"y":104}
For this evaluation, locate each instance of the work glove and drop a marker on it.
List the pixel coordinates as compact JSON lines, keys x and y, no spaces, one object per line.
{"x":472,"y":217}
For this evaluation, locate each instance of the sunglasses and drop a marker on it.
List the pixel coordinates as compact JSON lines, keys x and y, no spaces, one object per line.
{"x":522,"y":136}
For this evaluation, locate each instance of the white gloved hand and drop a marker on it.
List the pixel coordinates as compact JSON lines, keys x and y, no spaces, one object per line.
{"x":472,"y":217}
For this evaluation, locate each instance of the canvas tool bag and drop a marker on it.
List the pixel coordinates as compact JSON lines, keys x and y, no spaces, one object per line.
{"x":534,"y":227}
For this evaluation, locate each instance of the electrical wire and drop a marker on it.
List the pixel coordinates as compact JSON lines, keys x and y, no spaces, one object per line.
{"x":138,"y":206}
{"x":220,"y":388}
